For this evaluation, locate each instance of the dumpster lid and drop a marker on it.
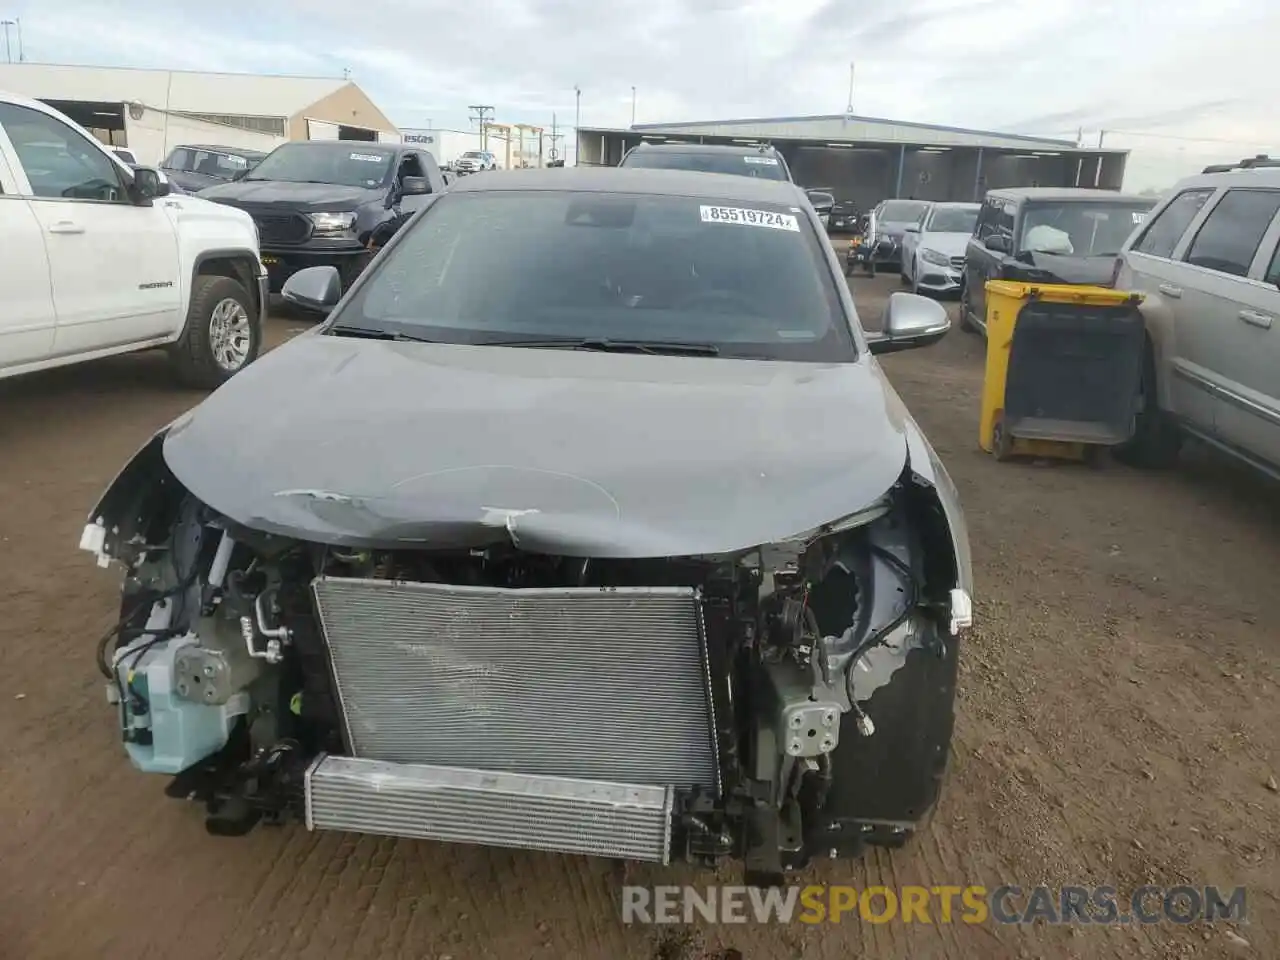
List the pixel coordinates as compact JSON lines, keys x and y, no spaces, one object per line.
{"x":1062,"y":292}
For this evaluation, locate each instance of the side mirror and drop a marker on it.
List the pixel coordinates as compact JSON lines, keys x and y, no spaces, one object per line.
{"x":997,"y":243}
{"x":149,"y":183}
{"x":414,"y":186}
{"x":314,"y":288}
{"x":911,"y":228}
{"x":910,"y":321}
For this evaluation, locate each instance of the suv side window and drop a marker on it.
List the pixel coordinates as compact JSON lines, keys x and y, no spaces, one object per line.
{"x":986,"y":220}
{"x":1273,"y":271}
{"x":59,"y":162}
{"x":1163,"y":233}
{"x":1229,"y":238}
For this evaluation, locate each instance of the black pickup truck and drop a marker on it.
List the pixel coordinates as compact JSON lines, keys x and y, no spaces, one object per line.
{"x":318,"y":202}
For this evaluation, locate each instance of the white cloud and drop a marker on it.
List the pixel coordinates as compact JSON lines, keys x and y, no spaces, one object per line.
{"x":1194,"y":69}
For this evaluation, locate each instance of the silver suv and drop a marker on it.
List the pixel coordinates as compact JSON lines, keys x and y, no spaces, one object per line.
{"x":1208,"y":260}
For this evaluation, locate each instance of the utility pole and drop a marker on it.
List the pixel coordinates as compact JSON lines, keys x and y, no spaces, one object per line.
{"x":479,"y":112}
{"x":849,"y":109}
{"x":8,"y":51}
{"x":577,"y":120}
{"x":554,"y":136}
{"x":633,"y":106}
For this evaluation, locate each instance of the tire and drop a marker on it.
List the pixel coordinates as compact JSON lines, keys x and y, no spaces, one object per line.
{"x":1156,"y":439}
{"x":966,"y":322}
{"x":222,"y":335}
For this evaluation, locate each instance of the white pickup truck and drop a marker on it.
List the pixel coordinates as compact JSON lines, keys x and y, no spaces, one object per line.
{"x":100,"y":259}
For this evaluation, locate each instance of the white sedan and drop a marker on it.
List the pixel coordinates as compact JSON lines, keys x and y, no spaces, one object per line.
{"x":933,"y":248}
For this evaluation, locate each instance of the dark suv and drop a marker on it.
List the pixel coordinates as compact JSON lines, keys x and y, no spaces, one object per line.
{"x":194,"y":167}
{"x":760,"y":161}
{"x":317,"y":203}
{"x":1046,"y":235}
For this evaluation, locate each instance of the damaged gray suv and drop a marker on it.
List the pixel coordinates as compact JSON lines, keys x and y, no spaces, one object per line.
{"x":586,"y":522}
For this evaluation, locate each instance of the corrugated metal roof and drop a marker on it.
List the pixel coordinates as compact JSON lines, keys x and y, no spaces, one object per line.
{"x":837,"y":126}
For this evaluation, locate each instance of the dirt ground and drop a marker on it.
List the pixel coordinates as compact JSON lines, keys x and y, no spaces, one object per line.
{"x":1117,"y":725}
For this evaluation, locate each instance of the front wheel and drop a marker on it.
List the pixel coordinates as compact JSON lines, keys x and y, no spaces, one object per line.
{"x":222,"y":335}
{"x":966,"y":318}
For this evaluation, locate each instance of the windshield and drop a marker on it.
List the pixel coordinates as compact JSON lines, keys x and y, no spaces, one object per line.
{"x":952,"y":220}
{"x":901,"y":211}
{"x":503,"y":266}
{"x":224,"y":166}
{"x":1076,"y":229}
{"x":344,"y":164}
{"x":744,"y":165}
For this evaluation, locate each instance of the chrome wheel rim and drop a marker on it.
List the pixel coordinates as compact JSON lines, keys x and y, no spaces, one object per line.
{"x":229,"y":335}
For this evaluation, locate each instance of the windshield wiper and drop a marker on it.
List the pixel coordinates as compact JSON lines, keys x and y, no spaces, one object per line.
{"x":374,"y":333}
{"x":609,"y":345}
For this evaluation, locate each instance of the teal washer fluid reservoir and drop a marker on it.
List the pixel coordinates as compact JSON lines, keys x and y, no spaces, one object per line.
{"x":182,"y":732}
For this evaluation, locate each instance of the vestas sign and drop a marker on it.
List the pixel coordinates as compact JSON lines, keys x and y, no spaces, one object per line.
{"x":418,"y":137}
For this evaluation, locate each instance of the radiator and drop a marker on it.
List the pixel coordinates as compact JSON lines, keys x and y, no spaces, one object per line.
{"x":625,"y":821}
{"x":587,"y":683}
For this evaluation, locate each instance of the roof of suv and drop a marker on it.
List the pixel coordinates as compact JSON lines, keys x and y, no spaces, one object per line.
{"x":1067,"y":193}
{"x":1240,"y":177}
{"x":215,"y":148}
{"x":639,"y":180}
{"x":735,"y":150}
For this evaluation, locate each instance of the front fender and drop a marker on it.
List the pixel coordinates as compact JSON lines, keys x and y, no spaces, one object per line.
{"x":931,"y":477}
{"x":119,"y":522}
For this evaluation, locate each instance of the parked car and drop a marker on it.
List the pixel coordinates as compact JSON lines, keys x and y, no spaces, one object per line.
{"x":475,"y":161}
{"x":845,"y":216}
{"x":1046,"y":235}
{"x":933,"y":249}
{"x":1207,"y":262}
{"x":100,"y":259}
{"x":745,"y":160}
{"x":194,"y":167}
{"x":317,"y":202}
{"x":127,"y":155}
{"x":760,"y":161}
{"x":425,"y":612}
{"x":892,"y":217}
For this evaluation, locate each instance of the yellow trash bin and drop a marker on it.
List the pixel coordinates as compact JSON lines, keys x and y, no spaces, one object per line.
{"x":1064,"y":369}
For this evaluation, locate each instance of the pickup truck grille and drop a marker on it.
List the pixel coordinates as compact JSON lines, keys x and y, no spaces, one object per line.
{"x":282,"y":228}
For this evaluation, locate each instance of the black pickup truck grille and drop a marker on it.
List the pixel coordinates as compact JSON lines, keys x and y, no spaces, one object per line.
{"x":282,"y":228}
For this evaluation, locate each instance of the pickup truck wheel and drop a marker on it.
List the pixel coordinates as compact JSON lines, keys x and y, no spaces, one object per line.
{"x":222,"y":335}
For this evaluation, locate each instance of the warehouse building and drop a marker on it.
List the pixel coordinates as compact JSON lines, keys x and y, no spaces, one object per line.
{"x":866,"y":159}
{"x":152,"y":111}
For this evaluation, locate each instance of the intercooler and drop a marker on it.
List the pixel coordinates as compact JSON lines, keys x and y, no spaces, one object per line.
{"x":607,"y":687}
{"x":626,"y":821}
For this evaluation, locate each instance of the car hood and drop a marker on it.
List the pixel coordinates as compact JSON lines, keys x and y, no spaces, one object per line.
{"x":313,"y":197}
{"x":951,"y":244}
{"x":384,"y":444}
{"x":1054,"y":268}
{"x":192,"y":181}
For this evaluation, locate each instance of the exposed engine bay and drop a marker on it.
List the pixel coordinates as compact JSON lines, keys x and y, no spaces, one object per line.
{"x":774,"y":704}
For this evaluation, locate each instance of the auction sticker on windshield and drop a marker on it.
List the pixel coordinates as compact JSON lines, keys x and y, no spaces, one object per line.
{"x":369,"y":157}
{"x":754,"y":218}
{"x":767,"y":161}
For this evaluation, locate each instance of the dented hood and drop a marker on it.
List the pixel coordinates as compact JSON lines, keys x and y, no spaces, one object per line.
{"x":376,"y":443}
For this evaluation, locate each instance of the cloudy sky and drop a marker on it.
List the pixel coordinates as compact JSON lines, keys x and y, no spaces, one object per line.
{"x":1173,"y":79}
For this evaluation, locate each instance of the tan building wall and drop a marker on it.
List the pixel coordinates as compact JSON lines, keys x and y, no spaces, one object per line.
{"x":348,"y":106}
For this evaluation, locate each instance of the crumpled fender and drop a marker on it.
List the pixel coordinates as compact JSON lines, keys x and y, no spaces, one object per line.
{"x":125,"y":507}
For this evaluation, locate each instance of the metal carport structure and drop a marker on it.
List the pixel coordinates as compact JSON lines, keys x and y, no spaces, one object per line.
{"x":866,"y":159}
